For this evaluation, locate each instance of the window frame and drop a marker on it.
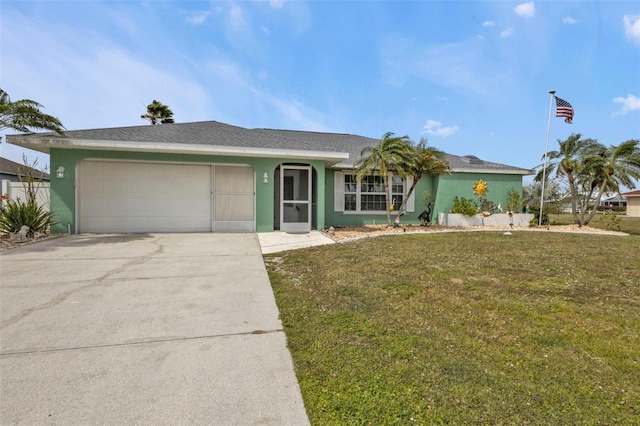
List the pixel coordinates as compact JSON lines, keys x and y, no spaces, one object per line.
{"x":351,"y":182}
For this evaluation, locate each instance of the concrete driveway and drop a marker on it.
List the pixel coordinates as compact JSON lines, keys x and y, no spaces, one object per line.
{"x":143,"y":329}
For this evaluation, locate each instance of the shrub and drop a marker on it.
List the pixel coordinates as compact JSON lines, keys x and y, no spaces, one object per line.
{"x":611,"y":220}
{"x":614,"y":209}
{"x":514,"y":200}
{"x":536,"y":216}
{"x":488,"y":206}
{"x":464,"y":206}
{"x":15,"y":214}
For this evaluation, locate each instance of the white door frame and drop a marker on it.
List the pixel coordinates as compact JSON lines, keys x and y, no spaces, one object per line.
{"x":298,"y":226}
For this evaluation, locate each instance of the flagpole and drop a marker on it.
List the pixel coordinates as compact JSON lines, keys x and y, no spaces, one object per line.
{"x":546,"y":150}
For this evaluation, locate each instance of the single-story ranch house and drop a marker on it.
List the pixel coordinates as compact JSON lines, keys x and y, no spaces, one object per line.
{"x":633,"y":203}
{"x":214,"y":177}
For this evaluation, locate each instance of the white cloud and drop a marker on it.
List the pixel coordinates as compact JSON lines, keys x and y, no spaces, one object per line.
{"x":463,"y":66}
{"x":632,"y":27}
{"x":506,"y":33}
{"x":237,"y":18}
{"x":630,"y":103}
{"x":488,"y":24}
{"x":569,"y":20}
{"x":200,"y":17}
{"x":525,"y":10}
{"x":435,"y":128}
{"x":78,"y":75}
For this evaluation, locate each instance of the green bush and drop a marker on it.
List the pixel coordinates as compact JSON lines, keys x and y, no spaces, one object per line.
{"x":15,"y":214}
{"x":536,"y":216}
{"x":611,"y":220}
{"x":464,"y":206}
{"x":488,"y":206}
{"x":514,"y":200}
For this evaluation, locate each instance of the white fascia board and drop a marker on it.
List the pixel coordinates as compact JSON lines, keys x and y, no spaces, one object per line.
{"x":342,"y":166}
{"x":44,"y":145}
{"x":347,"y":166}
{"x":495,"y":171}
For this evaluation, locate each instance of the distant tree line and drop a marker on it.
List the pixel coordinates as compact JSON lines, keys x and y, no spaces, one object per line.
{"x":590,"y":170}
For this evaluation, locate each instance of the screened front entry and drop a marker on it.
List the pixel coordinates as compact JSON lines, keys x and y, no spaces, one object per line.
{"x":295,"y":198}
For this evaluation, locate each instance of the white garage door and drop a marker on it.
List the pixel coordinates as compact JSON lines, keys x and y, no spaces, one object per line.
{"x":118,"y":196}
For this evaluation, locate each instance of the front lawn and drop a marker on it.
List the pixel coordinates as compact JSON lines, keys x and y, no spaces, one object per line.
{"x":465,"y":328}
{"x":624,"y":223}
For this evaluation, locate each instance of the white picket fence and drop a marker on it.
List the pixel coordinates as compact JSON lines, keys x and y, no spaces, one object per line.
{"x":15,"y":190}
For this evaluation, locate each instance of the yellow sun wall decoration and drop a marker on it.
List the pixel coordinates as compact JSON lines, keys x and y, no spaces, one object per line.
{"x":480,"y":188}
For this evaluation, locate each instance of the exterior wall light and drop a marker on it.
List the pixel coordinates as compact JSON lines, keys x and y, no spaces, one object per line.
{"x":265,"y":177}
{"x":60,"y":172}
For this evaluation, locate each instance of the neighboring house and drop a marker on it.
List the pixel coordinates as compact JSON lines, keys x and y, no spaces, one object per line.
{"x":210,"y":176}
{"x":12,"y":175}
{"x":12,"y":171}
{"x":633,"y":203}
{"x":615,"y":201}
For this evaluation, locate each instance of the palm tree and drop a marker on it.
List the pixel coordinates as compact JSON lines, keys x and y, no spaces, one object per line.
{"x":568,"y":162}
{"x":24,"y":115}
{"x":425,"y":160}
{"x":612,"y":167}
{"x":158,"y":113}
{"x":391,"y":152}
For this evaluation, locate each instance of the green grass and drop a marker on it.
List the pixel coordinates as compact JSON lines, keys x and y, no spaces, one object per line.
{"x":630,"y":225}
{"x":465,"y":328}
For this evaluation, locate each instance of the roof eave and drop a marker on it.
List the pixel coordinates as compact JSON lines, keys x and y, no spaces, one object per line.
{"x":45,"y":144}
{"x":523,"y":172}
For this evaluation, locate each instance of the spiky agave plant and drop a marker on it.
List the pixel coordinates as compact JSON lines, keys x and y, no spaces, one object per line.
{"x":15,"y":214}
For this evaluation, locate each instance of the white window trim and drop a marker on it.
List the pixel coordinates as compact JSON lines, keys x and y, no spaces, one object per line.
{"x":338,"y":196}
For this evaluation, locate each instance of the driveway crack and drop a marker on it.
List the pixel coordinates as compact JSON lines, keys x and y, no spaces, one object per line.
{"x":142,"y":342}
{"x":92,"y":283}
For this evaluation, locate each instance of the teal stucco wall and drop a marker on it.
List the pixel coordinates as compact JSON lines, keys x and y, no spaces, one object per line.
{"x":63,"y":192}
{"x":461,"y":185}
{"x":352,"y":219}
{"x":443,"y":189}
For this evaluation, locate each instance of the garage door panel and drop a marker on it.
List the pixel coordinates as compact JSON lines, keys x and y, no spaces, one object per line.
{"x":136,"y":197}
{"x":234,"y":199}
{"x":115,"y":169}
{"x":117,"y":208}
{"x":234,"y":207}
{"x":160,"y":197}
{"x":138,"y":186}
{"x":234,"y":179}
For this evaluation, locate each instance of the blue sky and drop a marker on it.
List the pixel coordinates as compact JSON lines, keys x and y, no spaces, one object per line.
{"x":472,"y":77}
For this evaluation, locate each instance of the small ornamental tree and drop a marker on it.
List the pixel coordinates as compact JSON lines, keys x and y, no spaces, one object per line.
{"x":514,"y":201}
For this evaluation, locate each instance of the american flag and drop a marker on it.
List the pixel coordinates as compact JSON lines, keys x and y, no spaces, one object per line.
{"x":564,"y":109}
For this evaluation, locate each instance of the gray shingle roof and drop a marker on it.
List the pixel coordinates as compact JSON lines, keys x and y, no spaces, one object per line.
{"x":214,"y":133}
{"x":471,"y":163}
{"x":8,"y":167}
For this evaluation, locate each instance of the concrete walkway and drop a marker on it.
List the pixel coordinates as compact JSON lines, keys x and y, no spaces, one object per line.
{"x":143,"y":329}
{"x":275,"y":242}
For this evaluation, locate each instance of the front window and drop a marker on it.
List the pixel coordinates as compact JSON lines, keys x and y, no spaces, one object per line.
{"x":369,"y":195}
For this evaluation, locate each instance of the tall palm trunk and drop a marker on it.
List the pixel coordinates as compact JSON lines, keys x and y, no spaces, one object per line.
{"x":385,"y":183}
{"x":574,"y":198}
